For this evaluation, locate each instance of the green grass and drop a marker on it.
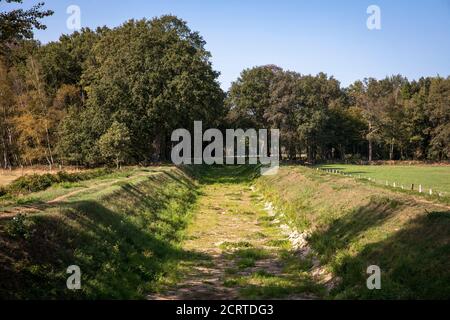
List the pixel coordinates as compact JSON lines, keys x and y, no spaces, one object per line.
{"x":262,"y":285}
{"x":128,"y":232}
{"x":435,"y":177}
{"x":38,"y":182}
{"x":354,"y":225}
{"x":85,"y":187}
{"x":123,"y":237}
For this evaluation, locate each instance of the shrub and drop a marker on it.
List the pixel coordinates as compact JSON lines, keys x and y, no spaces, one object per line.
{"x":36,"y":182}
{"x":3,"y":191}
{"x":19,"y":227}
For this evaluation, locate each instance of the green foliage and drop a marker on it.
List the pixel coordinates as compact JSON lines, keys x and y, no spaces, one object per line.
{"x":18,"y":24}
{"x":249,"y":98}
{"x":151,"y":76}
{"x":115,"y":143}
{"x":124,"y":241}
{"x":19,"y":227}
{"x":3,"y":191}
{"x":39,"y":182}
{"x":308,"y":110}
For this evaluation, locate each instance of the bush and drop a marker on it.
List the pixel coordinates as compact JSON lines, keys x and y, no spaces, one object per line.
{"x":31,"y":183}
{"x":3,"y":191}
{"x":36,"y":182}
{"x":19,"y":227}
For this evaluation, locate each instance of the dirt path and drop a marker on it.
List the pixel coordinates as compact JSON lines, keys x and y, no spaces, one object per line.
{"x":242,"y":252}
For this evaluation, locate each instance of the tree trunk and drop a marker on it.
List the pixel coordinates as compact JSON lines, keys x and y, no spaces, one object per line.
{"x":49,"y":163}
{"x":162,"y":146}
{"x":5,"y":154}
{"x":48,"y":144}
{"x":370,"y":150}
{"x":309,"y":152}
{"x":391,"y":150}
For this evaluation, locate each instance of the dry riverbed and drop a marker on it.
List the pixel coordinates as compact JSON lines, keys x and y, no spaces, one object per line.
{"x":242,"y":251}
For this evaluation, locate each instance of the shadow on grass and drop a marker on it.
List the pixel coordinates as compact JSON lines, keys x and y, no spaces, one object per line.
{"x":414,"y":260}
{"x":123,"y":243}
{"x":223,"y":174}
{"x":344,"y":230}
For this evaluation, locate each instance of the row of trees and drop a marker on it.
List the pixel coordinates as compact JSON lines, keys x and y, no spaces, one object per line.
{"x":115,"y":95}
{"x":392,"y":118}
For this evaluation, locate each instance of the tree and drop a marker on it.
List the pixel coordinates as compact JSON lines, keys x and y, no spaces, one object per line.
{"x":64,"y":61}
{"x":7,"y":101}
{"x":283,"y":109}
{"x":367,"y":96}
{"x":317,"y":95}
{"x":115,"y":143}
{"x":17,"y":25}
{"x":418,"y":126}
{"x":439,"y":115}
{"x":153,"y":76}
{"x":249,"y":97}
{"x":36,"y":121}
{"x":392,"y":114}
{"x":268,"y":97}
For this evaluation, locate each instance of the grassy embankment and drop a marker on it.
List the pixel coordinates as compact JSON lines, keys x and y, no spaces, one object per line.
{"x":354,"y":225}
{"x":123,"y":230}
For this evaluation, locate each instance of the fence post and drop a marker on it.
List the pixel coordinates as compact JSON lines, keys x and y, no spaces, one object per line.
{"x":420,"y":188}
{"x":431,"y":192}
{"x":412,"y":186}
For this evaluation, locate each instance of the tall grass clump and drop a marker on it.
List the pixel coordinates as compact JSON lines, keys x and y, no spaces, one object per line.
{"x":39,"y":182}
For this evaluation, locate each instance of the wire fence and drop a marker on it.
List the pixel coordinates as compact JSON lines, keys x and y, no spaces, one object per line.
{"x":419,"y":188}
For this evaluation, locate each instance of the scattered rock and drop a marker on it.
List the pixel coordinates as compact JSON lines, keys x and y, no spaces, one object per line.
{"x":299,"y":242}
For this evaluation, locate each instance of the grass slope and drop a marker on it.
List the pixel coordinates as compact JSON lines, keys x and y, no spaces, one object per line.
{"x":122,"y":236}
{"x":354,"y":225}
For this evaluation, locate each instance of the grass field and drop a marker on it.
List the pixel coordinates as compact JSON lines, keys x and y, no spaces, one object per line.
{"x":435,"y":177}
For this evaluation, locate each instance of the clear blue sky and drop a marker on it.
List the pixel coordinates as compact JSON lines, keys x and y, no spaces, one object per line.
{"x":305,"y":36}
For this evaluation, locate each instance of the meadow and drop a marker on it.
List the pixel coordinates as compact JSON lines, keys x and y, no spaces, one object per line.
{"x":429,"y":176}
